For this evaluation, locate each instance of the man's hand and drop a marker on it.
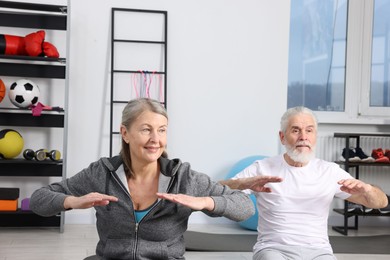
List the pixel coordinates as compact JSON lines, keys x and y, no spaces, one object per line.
{"x":88,"y":201}
{"x":354,"y":186}
{"x":256,"y":183}
{"x":195,"y":203}
{"x":363,"y":193}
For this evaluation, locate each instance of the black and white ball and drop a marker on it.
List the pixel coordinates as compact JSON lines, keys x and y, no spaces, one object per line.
{"x":24,"y":93}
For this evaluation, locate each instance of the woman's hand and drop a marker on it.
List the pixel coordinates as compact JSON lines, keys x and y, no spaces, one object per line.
{"x":195,"y":203}
{"x":88,"y":201}
{"x":256,"y":183}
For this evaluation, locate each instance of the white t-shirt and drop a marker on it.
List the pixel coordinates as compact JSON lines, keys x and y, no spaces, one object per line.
{"x":296,"y":211}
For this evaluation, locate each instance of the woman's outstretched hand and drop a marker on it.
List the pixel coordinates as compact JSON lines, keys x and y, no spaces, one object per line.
{"x":195,"y":203}
{"x":88,"y":201}
{"x":256,"y":183}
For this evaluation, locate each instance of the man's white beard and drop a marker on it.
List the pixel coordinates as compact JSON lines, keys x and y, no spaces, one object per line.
{"x":300,"y":157}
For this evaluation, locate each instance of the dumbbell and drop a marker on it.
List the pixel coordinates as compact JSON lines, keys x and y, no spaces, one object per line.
{"x":42,"y":154}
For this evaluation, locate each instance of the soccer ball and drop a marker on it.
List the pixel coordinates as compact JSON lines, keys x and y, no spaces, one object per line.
{"x":24,"y":93}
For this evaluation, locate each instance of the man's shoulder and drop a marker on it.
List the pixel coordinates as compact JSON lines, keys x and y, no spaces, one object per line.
{"x":272,"y":160}
{"x":324,"y":163}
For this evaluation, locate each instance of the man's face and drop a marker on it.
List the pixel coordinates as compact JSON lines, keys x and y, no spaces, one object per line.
{"x":300,"y":138}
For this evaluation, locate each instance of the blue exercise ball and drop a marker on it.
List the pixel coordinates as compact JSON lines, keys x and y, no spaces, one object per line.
{"x":250,"y":223}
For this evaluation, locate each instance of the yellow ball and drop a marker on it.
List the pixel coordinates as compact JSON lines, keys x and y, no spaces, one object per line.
{"x":11,"y":143}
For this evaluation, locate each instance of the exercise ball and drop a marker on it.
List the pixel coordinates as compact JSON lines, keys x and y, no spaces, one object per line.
{"x":250,"y":223}
{"x":11,"y":143}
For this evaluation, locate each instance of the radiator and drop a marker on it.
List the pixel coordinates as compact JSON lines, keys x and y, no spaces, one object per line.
{"x":330,"y":148}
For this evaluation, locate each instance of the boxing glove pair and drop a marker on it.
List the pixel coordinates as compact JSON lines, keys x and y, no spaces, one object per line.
{"x":32,"y":45}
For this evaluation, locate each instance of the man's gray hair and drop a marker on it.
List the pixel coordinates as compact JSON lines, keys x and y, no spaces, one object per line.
{"x":294,"y":111}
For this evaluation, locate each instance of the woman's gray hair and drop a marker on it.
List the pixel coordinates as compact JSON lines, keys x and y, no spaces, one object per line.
{"x":130,"y":113}
{"x":294,"y":111}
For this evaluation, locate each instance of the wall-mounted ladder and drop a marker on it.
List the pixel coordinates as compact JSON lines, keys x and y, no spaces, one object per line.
{"x":138,"y":61}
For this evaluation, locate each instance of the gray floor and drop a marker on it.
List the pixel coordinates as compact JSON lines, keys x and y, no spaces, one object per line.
{"x":79,"y":241}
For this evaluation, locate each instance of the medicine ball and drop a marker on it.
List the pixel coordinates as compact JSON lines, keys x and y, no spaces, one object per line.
{"x":11,"y":143}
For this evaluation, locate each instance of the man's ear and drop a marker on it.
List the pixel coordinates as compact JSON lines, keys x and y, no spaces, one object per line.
{"x":281,"y":137}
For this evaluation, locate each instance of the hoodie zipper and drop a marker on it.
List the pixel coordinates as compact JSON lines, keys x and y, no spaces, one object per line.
{"x":135,"y":221}
{"x":147,"y":214}
{"x":136,"y":240}
{"x":137,"y":227}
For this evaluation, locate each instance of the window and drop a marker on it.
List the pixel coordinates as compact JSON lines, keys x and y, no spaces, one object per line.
{"x":339,"y":57}
{"x":377,"y":76}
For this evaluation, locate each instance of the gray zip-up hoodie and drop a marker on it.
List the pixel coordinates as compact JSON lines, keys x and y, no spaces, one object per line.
{"x":159,"y":235}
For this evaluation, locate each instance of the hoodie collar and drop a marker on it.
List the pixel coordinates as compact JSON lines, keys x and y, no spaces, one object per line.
{"x":168,"y":169}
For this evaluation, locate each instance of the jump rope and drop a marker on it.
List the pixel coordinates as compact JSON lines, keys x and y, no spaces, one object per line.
{"x":142,"y":84}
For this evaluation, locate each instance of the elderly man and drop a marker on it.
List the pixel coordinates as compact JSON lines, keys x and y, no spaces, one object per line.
{"x":294,"y":192}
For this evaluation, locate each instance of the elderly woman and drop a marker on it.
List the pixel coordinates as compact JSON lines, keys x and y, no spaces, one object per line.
{"x":142,"y":199}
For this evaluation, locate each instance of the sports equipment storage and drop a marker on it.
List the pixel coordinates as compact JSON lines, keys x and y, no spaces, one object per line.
{"x":347,"y":166}
{"x":19,"y":16}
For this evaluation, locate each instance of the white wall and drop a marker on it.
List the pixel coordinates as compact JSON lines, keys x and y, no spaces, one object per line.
{"x":227,"y":78}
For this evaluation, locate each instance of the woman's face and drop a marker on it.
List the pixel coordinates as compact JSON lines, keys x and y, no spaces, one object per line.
{"x":147,"y":137}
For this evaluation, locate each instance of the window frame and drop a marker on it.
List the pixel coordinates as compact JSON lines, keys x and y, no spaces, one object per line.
{"x":357,"y":108}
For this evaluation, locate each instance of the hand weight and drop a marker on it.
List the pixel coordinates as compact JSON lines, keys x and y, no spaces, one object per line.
{"x":42,"y":154}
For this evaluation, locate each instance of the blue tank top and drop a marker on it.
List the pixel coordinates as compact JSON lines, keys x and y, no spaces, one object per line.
{"x":140,"y":214}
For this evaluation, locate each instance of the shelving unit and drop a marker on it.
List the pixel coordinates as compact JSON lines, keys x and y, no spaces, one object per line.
{"x":356,"y":165}
{"x":38,"y":17}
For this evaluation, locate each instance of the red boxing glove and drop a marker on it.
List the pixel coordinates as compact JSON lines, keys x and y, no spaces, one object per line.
{"x":12,"y":45}
{"x":50,"y":50}
{"x":33,"y":43}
